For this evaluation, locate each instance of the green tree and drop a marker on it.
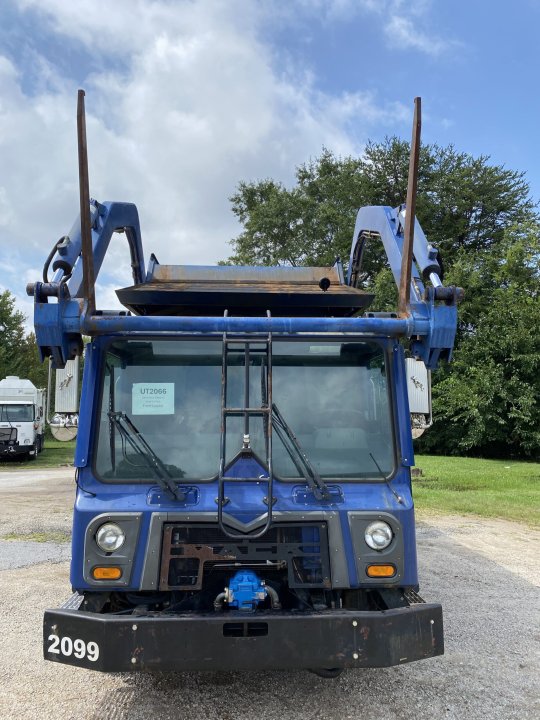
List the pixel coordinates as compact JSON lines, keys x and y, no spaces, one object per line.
{"x":34,"y":369}
{"x":12,"y":336}
{"x":18,"y":351}
{"x":464,"y":204}
{"x":308,"y":224}
{"x":483,"y":221}
{"x":488,"y":400}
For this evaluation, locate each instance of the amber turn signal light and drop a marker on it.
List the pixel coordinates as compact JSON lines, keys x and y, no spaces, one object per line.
{"x":380,"y":571}
{"x":107,"y":573}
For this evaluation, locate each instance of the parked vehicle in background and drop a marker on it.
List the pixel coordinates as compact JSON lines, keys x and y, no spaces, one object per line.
{"x":22,"y":417}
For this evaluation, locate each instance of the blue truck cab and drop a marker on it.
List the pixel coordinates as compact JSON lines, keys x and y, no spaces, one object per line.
{"x":243,"y":462}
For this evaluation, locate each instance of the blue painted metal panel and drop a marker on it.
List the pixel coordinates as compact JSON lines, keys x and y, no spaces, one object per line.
{"x":57,"y":328}
{"x":246,"y":499}
{"x":437,"y":340}
{"x":401,"y":408}
{"x":367,"y":496}
{"x":384,"y":221}
{"x":107,"y":217}
{"x":89,"y":400}
{"x":386,"y":327}
{"x":58,"y":325}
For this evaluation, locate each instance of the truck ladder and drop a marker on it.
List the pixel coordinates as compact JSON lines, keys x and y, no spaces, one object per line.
{"x":264,"y":411}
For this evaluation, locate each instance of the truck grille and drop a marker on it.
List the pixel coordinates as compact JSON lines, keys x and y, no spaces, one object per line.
{"x":8,"y":436}
{"x":191,"y":551}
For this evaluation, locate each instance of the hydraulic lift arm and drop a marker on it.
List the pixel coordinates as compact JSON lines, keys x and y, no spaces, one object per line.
{"x":413,"y":261}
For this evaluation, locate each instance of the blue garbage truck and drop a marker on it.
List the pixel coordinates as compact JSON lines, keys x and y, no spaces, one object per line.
{"x":243,"y":460}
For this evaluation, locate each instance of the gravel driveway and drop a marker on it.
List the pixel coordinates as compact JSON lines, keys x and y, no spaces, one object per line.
{"x":484,"y":573}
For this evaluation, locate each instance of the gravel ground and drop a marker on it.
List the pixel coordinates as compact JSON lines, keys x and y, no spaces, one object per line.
{"x":17,"y":554}
{"x":484,"y":572}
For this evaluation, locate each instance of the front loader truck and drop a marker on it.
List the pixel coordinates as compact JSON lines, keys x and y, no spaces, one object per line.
{"x":244,"y":452}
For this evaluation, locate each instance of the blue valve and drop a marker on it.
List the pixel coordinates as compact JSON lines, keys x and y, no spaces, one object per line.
{"x":246,"y":591}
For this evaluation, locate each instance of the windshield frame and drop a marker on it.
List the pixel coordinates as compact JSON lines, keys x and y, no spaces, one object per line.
{"x":386,"y":345}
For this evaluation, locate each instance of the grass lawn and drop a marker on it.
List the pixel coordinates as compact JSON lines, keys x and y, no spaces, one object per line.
{"x":490,"y":488}
{"x":54,"y":454}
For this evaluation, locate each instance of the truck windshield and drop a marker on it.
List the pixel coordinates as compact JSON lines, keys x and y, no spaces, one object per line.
{"x":16,"y":413}
{"x":333,"y":395}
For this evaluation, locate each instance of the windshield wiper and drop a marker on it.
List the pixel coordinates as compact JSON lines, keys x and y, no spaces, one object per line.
{"x":298,"y":456}
{"x":133,"y":436}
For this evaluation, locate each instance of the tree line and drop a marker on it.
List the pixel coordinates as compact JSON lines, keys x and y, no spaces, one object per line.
{"x":486,"y":226}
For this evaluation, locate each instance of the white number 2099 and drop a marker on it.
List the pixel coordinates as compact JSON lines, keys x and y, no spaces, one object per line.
{"x":78,"y":648}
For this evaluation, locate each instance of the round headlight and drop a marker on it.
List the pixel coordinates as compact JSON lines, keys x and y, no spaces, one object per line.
{"x":110,"y":537}
{"x":378,"y":535}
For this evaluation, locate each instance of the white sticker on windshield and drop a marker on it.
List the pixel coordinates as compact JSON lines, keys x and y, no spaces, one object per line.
{"x":152,"y":399}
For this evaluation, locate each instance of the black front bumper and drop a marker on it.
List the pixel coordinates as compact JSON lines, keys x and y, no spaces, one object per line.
{"x":246,"y":641}
{"x":14,"y":450}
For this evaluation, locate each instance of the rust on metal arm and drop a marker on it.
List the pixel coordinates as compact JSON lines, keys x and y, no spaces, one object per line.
{"x":84,"y":197}
{"x":407,"y":254}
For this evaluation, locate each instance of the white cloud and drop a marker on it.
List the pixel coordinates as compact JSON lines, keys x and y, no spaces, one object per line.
{"x":403,"y":32}
{"x":404,"y":23}
{"x":189,"y":100}
{"x":408,"y":27}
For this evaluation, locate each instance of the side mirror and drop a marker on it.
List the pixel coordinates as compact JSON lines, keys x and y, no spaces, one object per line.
{"x":419,"y":391}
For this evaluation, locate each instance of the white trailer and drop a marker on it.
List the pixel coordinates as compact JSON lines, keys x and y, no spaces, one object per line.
{"x":22,"y":417}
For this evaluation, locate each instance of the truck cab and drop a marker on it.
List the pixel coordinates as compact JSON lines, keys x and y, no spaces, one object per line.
{"x":243,"y":454}
{"x":243,"y":474}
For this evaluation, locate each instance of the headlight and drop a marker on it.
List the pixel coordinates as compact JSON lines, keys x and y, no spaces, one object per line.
{"x":378,"y":535}
{"x":110,"y":537}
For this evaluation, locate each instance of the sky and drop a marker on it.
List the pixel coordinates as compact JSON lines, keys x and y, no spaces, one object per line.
{"x":185,"y":99}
